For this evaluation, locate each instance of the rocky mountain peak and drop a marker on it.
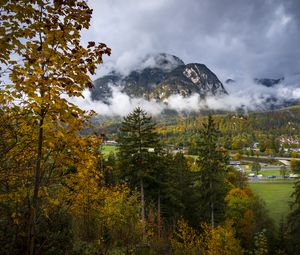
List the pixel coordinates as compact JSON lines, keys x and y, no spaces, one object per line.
{"x":192,"y":72}
{"x":162,"y":61}
{"x":159,"y":77}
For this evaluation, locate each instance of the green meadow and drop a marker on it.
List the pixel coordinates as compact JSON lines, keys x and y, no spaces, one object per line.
{"x":277,"y":197}
{"x":107,"y":149}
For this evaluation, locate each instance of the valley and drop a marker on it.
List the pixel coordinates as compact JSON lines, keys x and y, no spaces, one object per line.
{"x":270,"y":138}
{"x":180,"y":136}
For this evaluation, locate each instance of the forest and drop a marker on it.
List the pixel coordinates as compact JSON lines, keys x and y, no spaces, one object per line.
{"x":239,"y":131}
{"x":60,"y":195}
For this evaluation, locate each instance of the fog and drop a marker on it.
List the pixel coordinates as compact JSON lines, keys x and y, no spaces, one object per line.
{"x":244,"y":94}
{"x":238,"y":39}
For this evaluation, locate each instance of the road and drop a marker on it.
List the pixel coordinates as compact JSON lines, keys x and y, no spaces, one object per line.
{"x":277,"y":158}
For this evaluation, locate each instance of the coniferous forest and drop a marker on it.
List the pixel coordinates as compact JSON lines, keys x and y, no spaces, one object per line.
{"x":59,"y":193}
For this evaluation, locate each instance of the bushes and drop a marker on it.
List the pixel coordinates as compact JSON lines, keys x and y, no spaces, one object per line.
{"x":219,"y":240}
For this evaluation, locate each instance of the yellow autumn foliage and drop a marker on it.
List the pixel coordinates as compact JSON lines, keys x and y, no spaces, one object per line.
{"x":212,"y":241}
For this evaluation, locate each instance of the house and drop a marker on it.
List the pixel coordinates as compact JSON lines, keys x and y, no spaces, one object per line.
{"x":234,"y":163}
{"x":111,"y":142}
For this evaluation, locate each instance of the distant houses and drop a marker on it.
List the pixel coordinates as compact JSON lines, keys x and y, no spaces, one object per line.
{"x":111,"y":142}
{"x":234,"y":163}
{"x":170,"y":148}
{"x":237,"y":165}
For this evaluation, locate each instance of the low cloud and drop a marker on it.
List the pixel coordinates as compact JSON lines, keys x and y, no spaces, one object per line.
{"x":243,"y":94}
{"x":120,"y":104}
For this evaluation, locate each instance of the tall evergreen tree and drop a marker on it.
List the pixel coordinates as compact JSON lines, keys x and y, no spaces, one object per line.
{"x":212,"y":162}
{"x":177,"y":190}
{"x":294,"y":222}
{"x":138,"y":151}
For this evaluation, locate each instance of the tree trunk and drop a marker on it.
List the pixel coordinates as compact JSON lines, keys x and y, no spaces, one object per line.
{"x":212,"y":208}
{"x":158,"y":214}
{"x":212,"y":215}
{"x":35,"y":203}
{"x":143,"y":206}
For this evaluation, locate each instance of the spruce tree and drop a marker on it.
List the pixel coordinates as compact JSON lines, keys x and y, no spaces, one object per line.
{"x":177,"y":191}
{"x":212,"y":162}
{"x":294,"y":222}
{"x":138,"y":152}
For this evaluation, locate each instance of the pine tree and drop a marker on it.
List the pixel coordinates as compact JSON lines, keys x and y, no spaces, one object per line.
{"x":294,"y":222}
{"x":177,"y":189}
{"x":138,"y":152}
{"x":212,"y":162}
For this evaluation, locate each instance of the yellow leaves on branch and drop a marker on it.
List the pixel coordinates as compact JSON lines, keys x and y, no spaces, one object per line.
{"x":46,"y":35}
{"x":239,"y":193}
{"x":113,"y":207}
{"x":219,"y":240}
{"x":186,"y":240}
{"x":240,"y":211}
{"x":50,"y":166}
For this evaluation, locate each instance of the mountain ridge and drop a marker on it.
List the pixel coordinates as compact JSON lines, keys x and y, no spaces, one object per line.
{"x":160,"y":77}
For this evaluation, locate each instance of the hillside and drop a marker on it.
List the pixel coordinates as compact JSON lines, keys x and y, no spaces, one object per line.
{"x":238,"y":128}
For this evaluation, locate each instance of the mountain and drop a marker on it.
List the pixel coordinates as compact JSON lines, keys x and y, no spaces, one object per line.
{"x":189,"y":79}
{"x":228,"y":81}
{"x":277,"y":101}
{"x":102,"y":89}
{"x":269,"y":82}
{"x":159,"y":77}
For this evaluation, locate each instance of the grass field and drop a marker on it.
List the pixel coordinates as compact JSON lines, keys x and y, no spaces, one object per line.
{"x":107,"y":149}
{"x":276,"y":197}
{"x":270,"y":172}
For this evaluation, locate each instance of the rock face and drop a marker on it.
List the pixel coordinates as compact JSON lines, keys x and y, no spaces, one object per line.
{"x":102,"y":90}
{"x":189,"y":79}
{"x":160,"y":77}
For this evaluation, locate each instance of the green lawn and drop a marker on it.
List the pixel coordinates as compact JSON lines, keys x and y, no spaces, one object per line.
{"x":107,"y":149}
{"x":276,"y":197}
{"x":266,"y":173}
{"x":270,"y":172}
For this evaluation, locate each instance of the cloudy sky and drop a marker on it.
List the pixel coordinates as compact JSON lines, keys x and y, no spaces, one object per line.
{"x":238,"y":39}
{"x":257,"y":38}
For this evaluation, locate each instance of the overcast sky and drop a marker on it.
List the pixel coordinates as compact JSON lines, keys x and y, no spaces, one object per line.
{"x":258,"y":38}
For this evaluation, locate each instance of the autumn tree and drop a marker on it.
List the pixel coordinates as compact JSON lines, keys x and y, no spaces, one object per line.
{"x":248,"y":215}
{"x":236,"y":178}
{"x":255,"y":167}
{"x":41,"y":53}
{"x":219,"y":240}
{"x":212,"y":162}
{"x":186,"y":240}
{"x":283,"y":171}
{"x":237,"y":156}
{"x":105,"y":217}
{"x":240,"y":211}
{"x":294,"y":154}
{"x":295,"y":165}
